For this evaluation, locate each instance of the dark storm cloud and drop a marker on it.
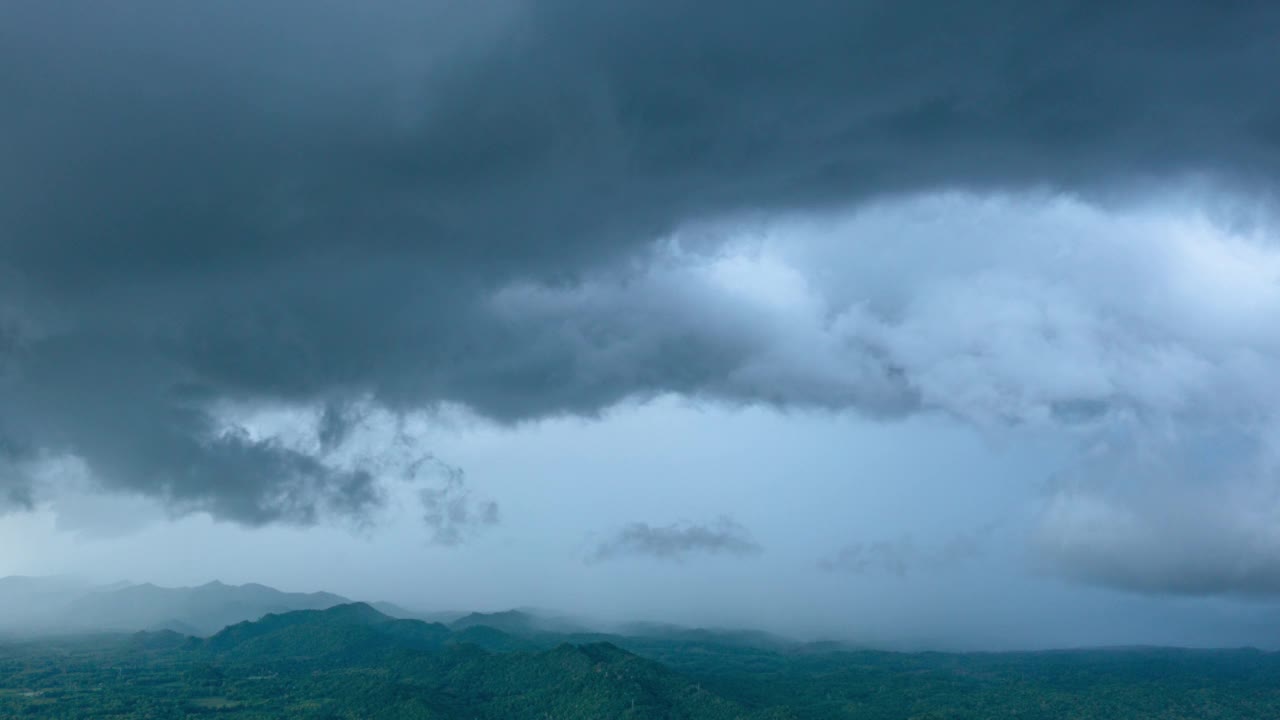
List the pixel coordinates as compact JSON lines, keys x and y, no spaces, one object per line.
{"x":678,"y":541}
{"x":336,"y":423}
{"x":313,"y":202}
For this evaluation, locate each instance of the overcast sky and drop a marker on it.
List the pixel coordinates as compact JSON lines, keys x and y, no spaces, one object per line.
{"x":918,"y":324}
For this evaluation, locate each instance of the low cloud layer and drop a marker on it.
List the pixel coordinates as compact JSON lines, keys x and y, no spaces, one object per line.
{"x":677,"y":541}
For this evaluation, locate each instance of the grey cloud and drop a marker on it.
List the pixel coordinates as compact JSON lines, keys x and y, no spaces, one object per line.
{"x":1192,"y":514}
{"x":905,"y":556}
{"x":678,"y":541}
{"x":17,"y":494}
{"x":100,"y":402}
{"x":451,"y":510}
{"x":674,"y":327}
{"x":308,"y":203}
{"x":858,"y":558}
{"x":1144,"y":339}
{"x":16,"y":490}
{"x":336,"y":423}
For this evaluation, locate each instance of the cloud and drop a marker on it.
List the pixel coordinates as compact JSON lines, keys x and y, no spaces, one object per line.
{"x":452,"y":511}
{"x":904,"y":556}
{"x":678,"y":541}
{"x":1131,"y":336}
{"x":858,"y":558}
{"x":425,"y":203}
{"x":1007,"y":310}
{"x":1191,"y":513}
{"x":360,"y":437}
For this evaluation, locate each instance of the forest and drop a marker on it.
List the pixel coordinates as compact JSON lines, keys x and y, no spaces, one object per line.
{"x":352,"y":662}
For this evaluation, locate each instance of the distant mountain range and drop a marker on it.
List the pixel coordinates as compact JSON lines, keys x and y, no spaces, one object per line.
{"x":35,"y":606}
{"x":30,"y":605}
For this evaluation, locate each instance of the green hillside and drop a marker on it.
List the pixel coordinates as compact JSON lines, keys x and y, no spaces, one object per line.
{"x":353,"y":662}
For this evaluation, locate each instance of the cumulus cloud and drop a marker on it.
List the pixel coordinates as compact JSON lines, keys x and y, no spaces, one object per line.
{"x":677,"y":541}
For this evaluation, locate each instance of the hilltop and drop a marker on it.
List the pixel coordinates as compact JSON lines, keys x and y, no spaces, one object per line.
{"x":472,"y":671}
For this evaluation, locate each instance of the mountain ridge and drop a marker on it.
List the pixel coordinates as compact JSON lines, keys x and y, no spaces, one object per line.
{"x":352,"y":660}
{"x":440,"y":670}
{"x":62,"y":605}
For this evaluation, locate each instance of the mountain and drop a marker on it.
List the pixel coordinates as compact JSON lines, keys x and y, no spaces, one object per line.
{"x":29,"y":602}
{"x":356,"y":629}
{"x":339,"y":633}
{"x":753,"y":639}
{"x":409,"y":668}
{"x":402,"y":613}
{"x":526,"y":623}
{"x":510,"y":621}
{"x":495,"y":640}
{"x":66,"y":605}
{"x":204,"y":609}
{"x":352,"y":661}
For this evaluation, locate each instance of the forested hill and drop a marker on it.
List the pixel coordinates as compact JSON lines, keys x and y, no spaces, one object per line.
{"x":352,"y":661}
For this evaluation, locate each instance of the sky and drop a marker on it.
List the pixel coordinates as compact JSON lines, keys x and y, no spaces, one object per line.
{"x":913,"y":324}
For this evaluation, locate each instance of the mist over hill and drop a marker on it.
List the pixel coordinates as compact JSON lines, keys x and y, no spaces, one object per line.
{"x":48,"y":606}
{"x":351,"y":661}
{"x":63,"y":605}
